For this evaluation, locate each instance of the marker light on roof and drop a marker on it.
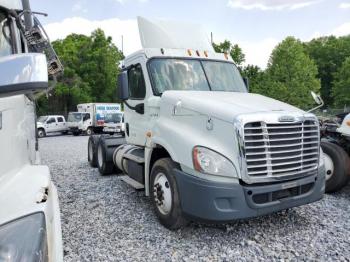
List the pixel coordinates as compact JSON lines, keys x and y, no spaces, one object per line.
{"x":226,"y":56}
{"x":206,"y":53}
{"x":198,"y":54}
{"x":189,"y":52}
{"x":162,"y":51}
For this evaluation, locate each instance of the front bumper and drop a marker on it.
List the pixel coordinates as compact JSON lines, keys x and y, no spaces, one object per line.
{"x":210,"y":201}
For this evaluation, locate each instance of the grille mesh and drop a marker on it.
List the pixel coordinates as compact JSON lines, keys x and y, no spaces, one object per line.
{"x":281,"y":149}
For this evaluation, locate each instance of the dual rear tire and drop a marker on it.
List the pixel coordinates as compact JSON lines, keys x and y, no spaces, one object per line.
{"x":163,"y":187}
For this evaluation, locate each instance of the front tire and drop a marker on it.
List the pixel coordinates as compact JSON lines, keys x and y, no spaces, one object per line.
{"x":89,"y":131}
{"x":41,"y":133}
{"x":165,"y":194}
{"x":336,"y":164}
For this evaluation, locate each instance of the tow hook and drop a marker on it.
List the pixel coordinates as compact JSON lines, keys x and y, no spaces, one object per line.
{"x":158,"y":194}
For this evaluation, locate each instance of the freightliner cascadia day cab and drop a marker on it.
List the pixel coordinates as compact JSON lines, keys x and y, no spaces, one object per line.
{"x":199,"y":144}
{"x":90,"y":117}
{"x":30,"y":228}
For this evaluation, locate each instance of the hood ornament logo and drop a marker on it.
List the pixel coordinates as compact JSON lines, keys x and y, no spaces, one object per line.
{"x":286,"y":119}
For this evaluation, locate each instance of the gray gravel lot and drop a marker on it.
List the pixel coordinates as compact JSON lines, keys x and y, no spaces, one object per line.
{"x":103,"y":219}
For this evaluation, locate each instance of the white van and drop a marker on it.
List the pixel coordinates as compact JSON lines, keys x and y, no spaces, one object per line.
{"x":51,"y":124}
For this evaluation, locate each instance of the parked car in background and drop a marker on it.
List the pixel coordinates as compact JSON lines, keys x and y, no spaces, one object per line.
{"x":90,"y":117}
{"x":51,"y":124}
{"x":114,"y":123}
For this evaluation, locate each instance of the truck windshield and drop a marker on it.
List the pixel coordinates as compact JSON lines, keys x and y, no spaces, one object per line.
{"x":113,"y":118}
{"x":190,"y":74}
{"x":5,"y":37}
{"x":74,"y":117}
{"x":42,"y":119}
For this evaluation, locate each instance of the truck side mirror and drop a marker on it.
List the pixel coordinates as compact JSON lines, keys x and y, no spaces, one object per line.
{"x":319,"y":101}
{"x":317,"y":98}
{"x":123,"y":86}
{"x":246,"y":82}
{"x":23,"y":74}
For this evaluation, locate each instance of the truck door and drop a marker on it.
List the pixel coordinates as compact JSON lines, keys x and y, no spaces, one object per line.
{"x":136,"y":125}
{"x":86,"y":121}
{"x":61,"y":124}
{"x":51,"y":125}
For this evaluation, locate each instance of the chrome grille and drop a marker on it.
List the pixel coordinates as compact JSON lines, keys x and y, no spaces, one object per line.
{"x":281,"y":149}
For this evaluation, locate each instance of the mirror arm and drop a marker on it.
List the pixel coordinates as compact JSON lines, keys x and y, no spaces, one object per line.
{"x":139,"y":108}
{"x":317,"y":107}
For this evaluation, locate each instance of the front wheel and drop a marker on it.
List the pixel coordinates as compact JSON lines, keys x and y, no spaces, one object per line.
{"x":165,"y":194}
{"x":41,"y":133}
{"x":89,"y":131}
{"x":336,"y":164}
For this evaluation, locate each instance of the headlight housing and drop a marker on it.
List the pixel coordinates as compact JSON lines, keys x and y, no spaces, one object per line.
{"x":24,"y":239}
{"x":210,"y":162}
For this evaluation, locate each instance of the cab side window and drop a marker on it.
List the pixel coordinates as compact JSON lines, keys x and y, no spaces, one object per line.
{"x":60,"y":119}
{"x":137,"y":87}
{"x":86,"y":117}
{"x":51,"y":120}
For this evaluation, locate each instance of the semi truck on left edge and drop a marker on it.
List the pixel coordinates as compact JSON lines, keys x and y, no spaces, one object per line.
{"x":30,"y":227}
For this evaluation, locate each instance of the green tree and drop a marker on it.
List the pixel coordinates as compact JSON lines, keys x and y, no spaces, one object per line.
{"x":256,"y":77}
{"x":329,"y":53}
{"x":341,"y":85}
{"x":291,"y":74}
{"x":233,"y":50}
{"x":91,"y":65}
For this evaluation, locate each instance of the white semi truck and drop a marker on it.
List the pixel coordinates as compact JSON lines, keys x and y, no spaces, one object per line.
{"x":30,"y":228}
{"x":199,"y":144}
{"x":90,"y":117}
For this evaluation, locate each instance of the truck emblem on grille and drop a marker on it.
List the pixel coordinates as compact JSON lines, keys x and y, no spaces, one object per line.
{"x":286,"y":119}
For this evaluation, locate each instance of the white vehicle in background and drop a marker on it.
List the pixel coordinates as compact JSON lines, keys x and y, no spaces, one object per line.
{"x":51,"y":124}
{"x":30,"y":228}
{"x":200,"y":145}
{"x":90,"y":117}
{"x":114,"y":123}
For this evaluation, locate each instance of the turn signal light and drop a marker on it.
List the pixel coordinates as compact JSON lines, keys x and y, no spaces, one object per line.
{"x":226,"y":56}
{"x":348,"y":123}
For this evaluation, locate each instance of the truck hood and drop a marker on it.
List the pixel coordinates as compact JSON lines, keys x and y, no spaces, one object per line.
{"x":39,"y":124}
{"x":223,"y":105}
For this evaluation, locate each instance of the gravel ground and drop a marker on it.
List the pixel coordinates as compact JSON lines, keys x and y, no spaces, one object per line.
{"x":103,"y":219}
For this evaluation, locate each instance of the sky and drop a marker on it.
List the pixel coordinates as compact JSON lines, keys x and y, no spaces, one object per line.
{"x":257,"y":26}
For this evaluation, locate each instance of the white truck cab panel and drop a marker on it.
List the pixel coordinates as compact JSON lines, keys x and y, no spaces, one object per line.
{"x":30,"y":228}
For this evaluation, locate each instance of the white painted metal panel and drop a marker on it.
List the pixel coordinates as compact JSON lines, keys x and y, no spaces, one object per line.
{"x":11,"y":4}
{"x":175,"y":35}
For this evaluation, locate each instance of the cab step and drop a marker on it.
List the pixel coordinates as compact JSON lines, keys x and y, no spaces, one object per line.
{"x":132,"y":182}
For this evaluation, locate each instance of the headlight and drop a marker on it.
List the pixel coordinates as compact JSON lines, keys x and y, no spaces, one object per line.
{"x":24,"y":239}
{"x":210,"y":162}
